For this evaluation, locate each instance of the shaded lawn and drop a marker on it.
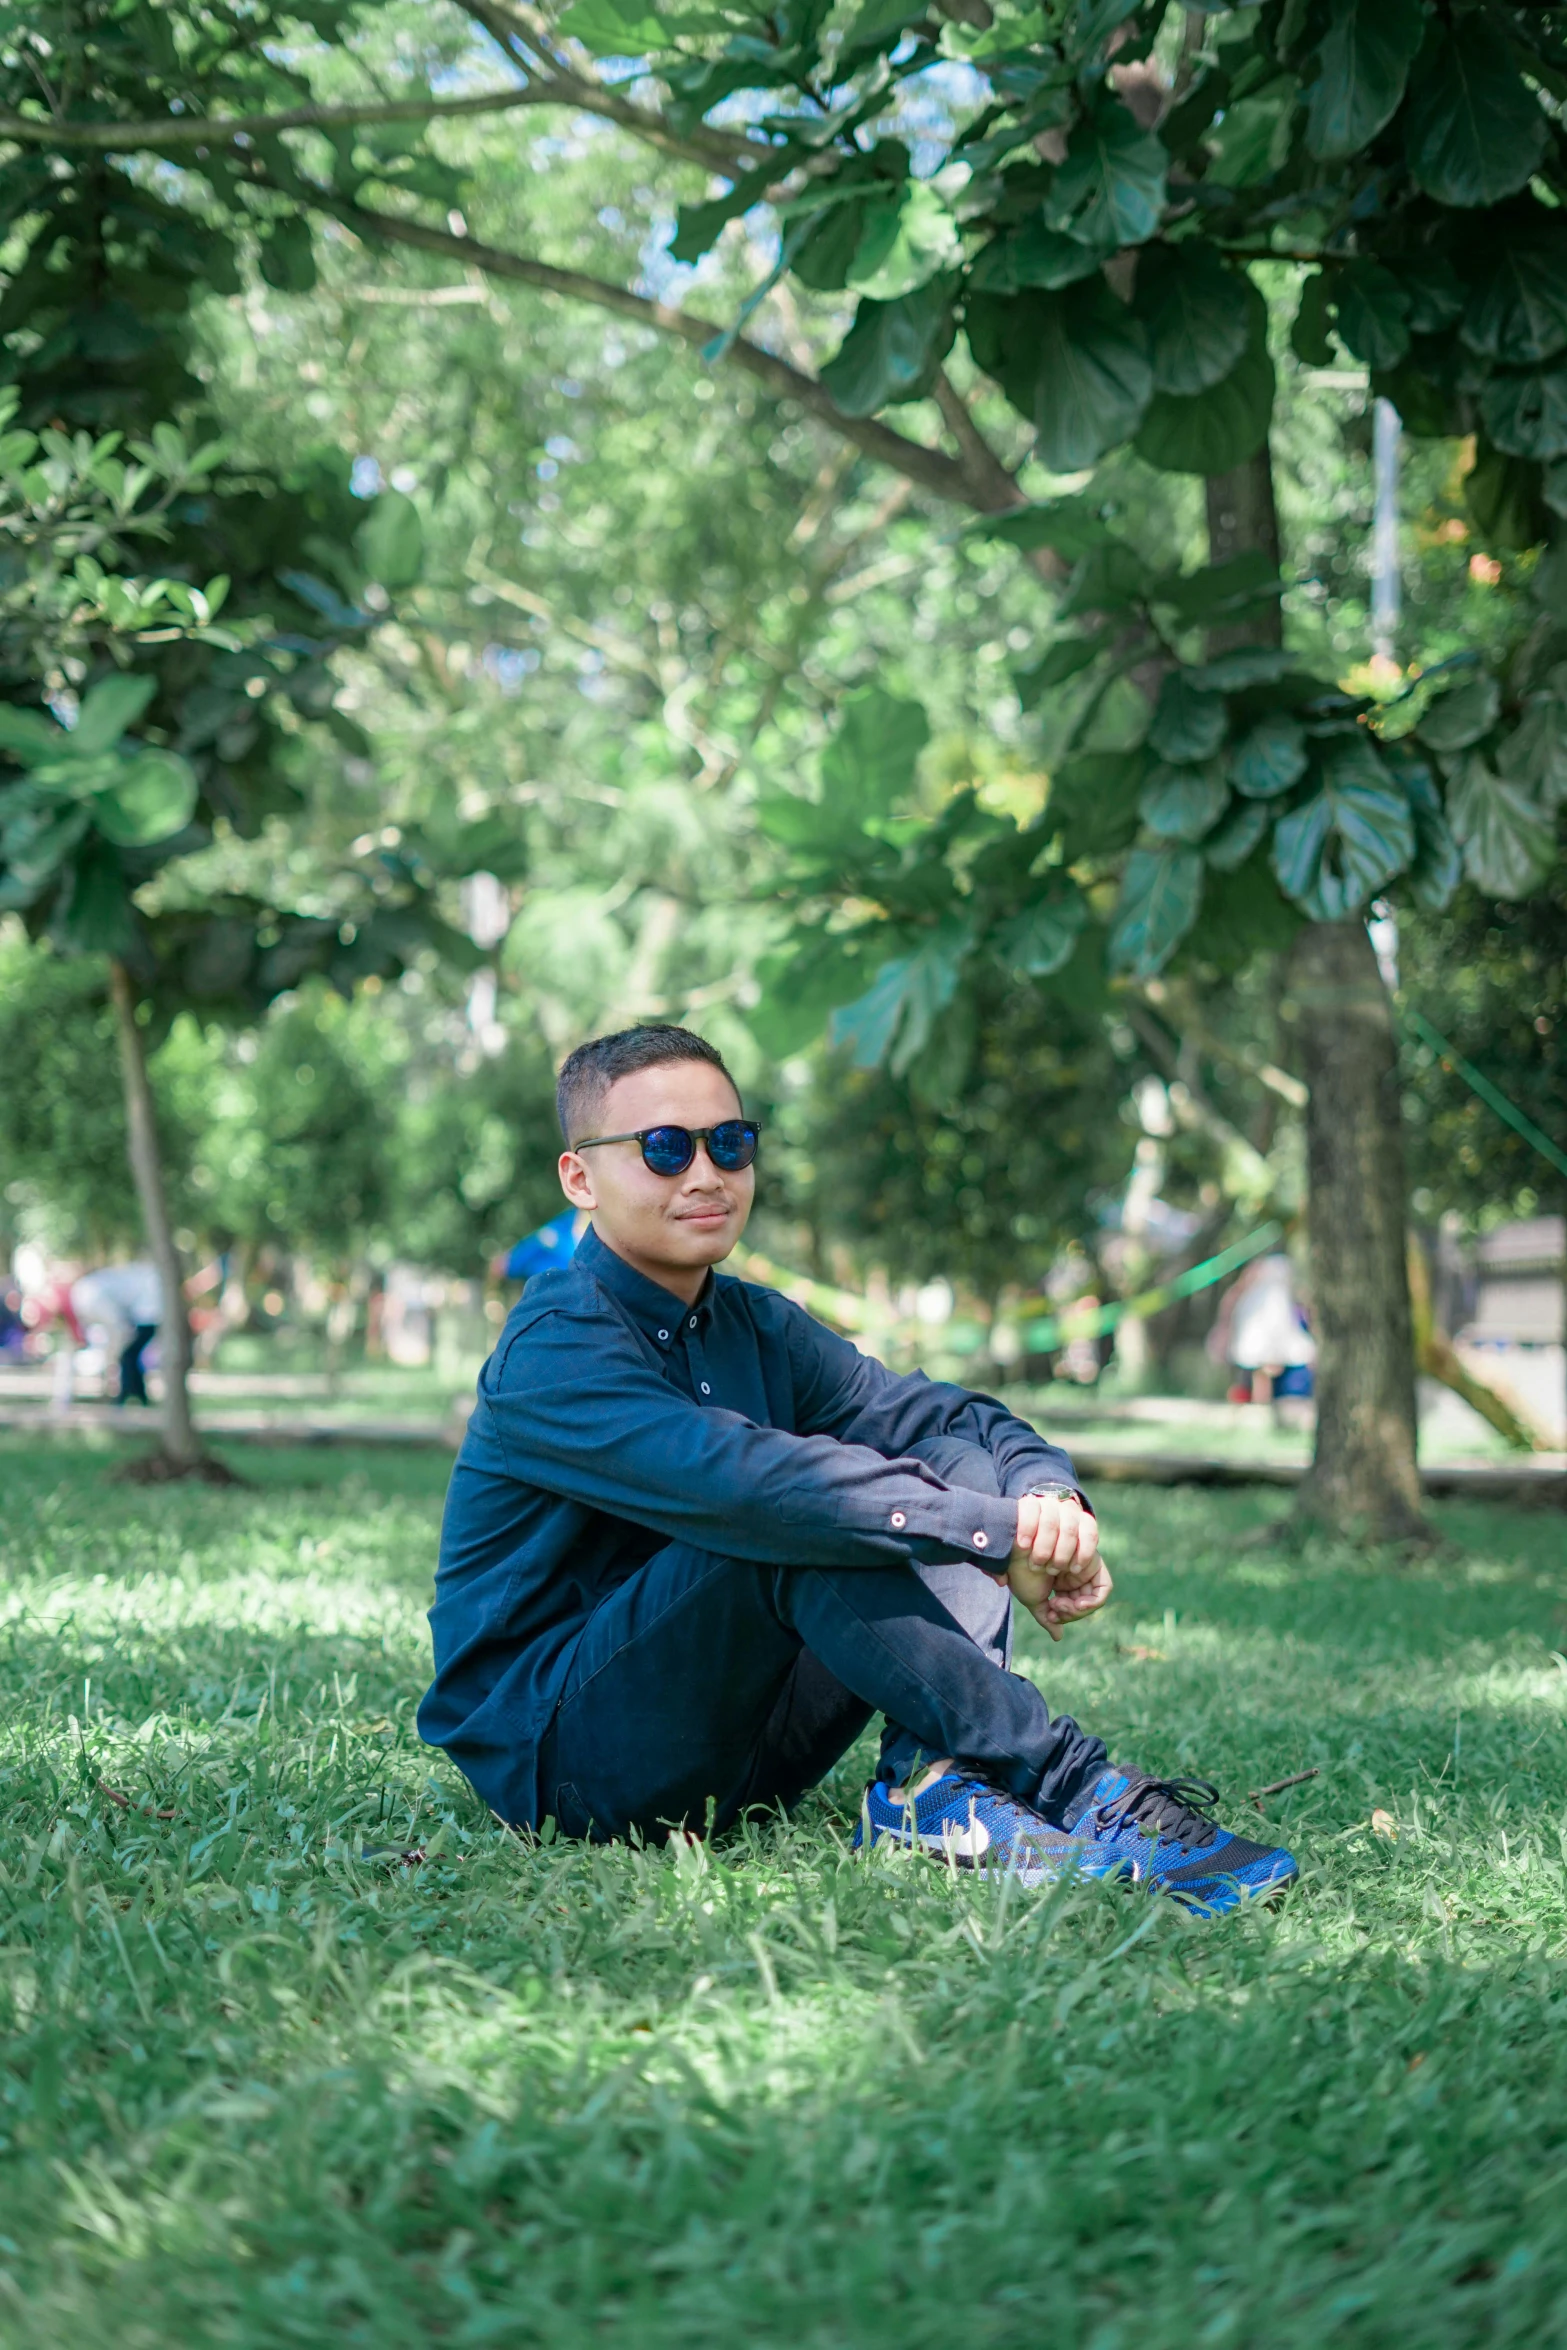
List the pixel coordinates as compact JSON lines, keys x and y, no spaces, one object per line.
{"x":257,"y":2089}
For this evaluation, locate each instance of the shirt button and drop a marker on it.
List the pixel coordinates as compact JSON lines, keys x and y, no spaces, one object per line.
{"x":693,"y":1321}
{"x":706,"y":1390}
{"x":898,"y":1518}
{"x":981,"y":1539}
{"x":663,"y":1334}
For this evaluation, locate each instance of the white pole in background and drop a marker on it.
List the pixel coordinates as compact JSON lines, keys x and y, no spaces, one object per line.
{"x":1384,"y":532}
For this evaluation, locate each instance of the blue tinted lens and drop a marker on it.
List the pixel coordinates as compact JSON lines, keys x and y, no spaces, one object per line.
{"x":668,"y":1150}
{"x":733,"y":1145}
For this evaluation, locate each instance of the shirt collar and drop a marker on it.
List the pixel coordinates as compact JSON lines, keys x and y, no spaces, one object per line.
{"x":657,"y":1311}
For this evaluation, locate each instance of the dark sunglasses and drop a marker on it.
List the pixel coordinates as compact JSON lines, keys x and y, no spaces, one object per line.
{"x":669,"y":1150}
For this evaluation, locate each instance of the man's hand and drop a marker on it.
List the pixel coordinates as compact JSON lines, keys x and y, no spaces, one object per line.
{"x":1055,"y":1568}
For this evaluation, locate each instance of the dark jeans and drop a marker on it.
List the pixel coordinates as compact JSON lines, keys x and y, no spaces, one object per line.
{"x":707,"y":1679}
{"x":133,"y":1379}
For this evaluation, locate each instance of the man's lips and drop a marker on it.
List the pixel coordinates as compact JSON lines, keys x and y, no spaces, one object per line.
{"x":704,"y":1215}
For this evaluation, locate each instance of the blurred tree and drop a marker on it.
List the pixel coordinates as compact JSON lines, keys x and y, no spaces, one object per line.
{"x":1491,"y":976}
{"x":62,"y":1138}
{"x":140,"y":730}
{"x":1101,"y":198}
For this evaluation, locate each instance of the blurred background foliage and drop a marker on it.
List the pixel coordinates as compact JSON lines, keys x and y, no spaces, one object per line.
{"x":629,"y":595}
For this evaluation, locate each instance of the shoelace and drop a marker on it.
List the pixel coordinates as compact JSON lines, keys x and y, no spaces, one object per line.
{"x":1177,"y":1808}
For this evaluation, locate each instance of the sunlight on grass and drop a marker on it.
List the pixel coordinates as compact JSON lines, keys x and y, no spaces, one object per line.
{"x":267,"y":2083}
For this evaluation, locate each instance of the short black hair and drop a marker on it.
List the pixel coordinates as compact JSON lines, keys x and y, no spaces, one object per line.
{"x":587,"y":1074}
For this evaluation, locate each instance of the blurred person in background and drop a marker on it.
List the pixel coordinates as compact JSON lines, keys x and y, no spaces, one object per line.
{"x":548,"y":1250}
{"x":126,"y":1303}
{"x":13,"y":1329}
{"x":1261,"y":1333}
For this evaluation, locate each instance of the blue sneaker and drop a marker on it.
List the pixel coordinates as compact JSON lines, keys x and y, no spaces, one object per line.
{"x":1161,"y":1834}
{"x":975,"y":1826}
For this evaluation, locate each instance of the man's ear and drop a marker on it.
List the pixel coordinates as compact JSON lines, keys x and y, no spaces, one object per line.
{"x":576,"y":1182}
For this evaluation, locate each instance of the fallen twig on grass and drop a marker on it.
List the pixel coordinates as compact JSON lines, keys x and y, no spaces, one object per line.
{"x":128,"y":1803}
{"x":1298,"y":1779}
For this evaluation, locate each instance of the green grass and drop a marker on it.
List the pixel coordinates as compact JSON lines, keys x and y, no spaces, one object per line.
{"x":259,"y":2090}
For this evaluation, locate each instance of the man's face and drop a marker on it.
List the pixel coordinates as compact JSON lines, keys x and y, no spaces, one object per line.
{"x":665,"y":1225}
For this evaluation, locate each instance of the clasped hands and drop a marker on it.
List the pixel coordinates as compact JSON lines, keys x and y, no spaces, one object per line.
{"x":1055,"y":1568}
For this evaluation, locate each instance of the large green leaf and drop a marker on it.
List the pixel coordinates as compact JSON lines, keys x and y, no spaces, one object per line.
{"x":1111,"y":578}
{"x":869,"y":764}
{"x":1068,"y":525}
{"x":906,"y":241}
{"x":1242,"y":665}
{"x":1216,"y":430}
{"x":699,"y":226}
{"x":1438,"y":867}
{"x":1534,"y":755}
{"x":96,"y":916}
{"x":1272,"y":757}
{"x":610,"y":30}
{"x":30,"y":736}
{"x":1518,"y":310}
{"x":879,"y":24}
{"x":1161,"y":892}
{"x":1196,"y":314}
{"x":1110,"y":189}
{"x":391,"y":540}
{"x":1040,"y":940}
{"x":108,"y":709}
{"x":33,"y":847}
{"x":825,"y":259}
{"x":1503,"y":498}
{"x":1372,"y":313}
{"x":1435,"y":291}
{"x":1244,"y":583}
{"x":1074,"y":363}
{"x":1251,"y":140}
{"x":1068,"y":657}
{"x":1183,"y":803}
{"x":1236,"y":837}
{"x":1462,"y":715}
{"x":893,"y":1019}
{"x":1362,"y":66}
{"x":801,"y":987}
{"x":1187,"y":723}
{"x":1093,"y":798}
{"x":1033,"y":255}
{"x":1474,"y":131}
{"x":1526,"y":415}
{"x":154,"y":799}
{"x":1508,"y":841}
{"x":1348,"y":840}
{"x":892,"y":351}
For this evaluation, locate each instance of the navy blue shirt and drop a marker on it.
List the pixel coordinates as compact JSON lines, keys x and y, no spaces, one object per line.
{"x":612,"y":1419}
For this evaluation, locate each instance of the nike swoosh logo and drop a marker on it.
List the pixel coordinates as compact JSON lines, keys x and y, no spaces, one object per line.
{"x":967,"y":1843}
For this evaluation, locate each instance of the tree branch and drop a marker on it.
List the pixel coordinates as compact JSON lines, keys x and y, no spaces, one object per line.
{"x":929,"y":469}
{"x":525,"y":37}
{"x":178,"y":130}
{"x":994,"y":488}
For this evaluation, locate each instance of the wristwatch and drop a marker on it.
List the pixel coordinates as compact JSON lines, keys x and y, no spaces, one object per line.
{"x":1055,"y":1493}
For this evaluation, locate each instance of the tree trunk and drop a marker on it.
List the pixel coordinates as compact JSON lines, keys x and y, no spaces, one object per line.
{"x":1363,"y":1478}
{"x":181,"y":1446}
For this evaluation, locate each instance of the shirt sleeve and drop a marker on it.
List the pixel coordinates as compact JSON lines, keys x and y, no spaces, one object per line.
{"x":577,"y":1408}
{"x":840,"y":1392}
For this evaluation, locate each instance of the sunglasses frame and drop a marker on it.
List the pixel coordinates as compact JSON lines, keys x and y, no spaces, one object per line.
{"x":693,"y":1134}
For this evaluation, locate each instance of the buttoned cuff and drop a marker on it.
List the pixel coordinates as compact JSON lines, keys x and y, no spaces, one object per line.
{"x":977,"y":1526}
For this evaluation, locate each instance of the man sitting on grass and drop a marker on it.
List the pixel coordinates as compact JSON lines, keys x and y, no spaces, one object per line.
{"x":694,"y":1541}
